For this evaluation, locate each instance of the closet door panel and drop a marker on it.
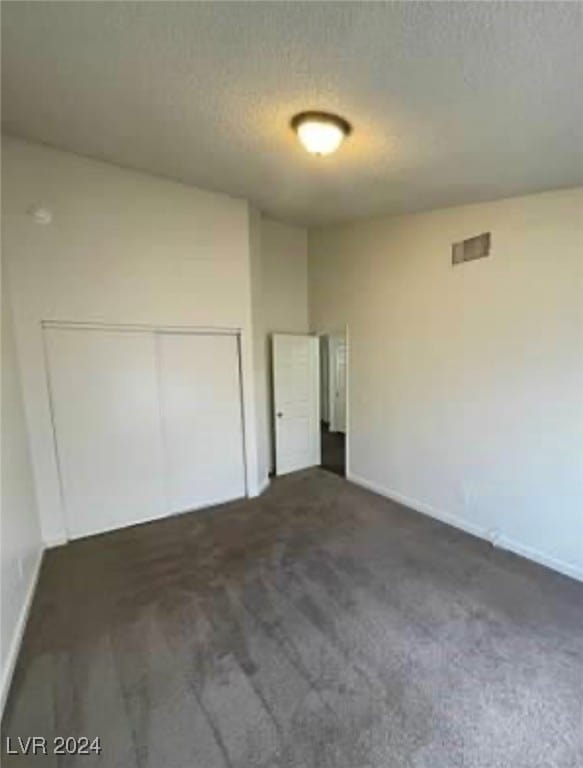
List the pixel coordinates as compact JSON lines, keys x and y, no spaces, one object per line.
{"x":201,"y":419}
{"x":106,"y":414}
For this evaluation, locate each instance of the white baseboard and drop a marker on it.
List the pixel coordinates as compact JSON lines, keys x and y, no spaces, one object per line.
{"x":419,"y":506}
{"x":501,"y":542}
{"x":567,"y":569}
{"x":56,"y":542}
{"x":13,"y":651}
{"x":258,"y":489}
{"x":264,"y":485}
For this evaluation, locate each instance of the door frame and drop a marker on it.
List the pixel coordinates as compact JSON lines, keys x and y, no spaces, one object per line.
{"x":332,"y":365}
{"x":342,"y":331}
{"x":133,"y":328}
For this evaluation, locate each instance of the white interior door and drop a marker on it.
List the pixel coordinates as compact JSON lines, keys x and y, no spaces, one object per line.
{"x":105,"y":402}
{"x":296,"y":402}
{"x":201,"y":419}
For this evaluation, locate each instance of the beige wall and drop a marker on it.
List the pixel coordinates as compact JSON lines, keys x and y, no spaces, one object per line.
{"x":284,"y":258}
{"x":20,"y":538}
{"x":123,"y":247}
{"x":466,"y":383}
{"x":285,"y":277}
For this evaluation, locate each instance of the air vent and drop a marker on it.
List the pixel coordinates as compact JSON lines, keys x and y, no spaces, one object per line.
{"x":471,"y":249}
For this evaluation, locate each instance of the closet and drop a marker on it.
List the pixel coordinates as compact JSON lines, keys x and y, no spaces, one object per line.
{"x":147,"y":422}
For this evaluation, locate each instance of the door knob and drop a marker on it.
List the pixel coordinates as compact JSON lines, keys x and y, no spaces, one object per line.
{"x":279,"y":414}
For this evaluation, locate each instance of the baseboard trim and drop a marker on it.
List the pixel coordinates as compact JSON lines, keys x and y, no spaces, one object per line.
{"x":566,"y":569}
{"x":14,"y":650}
{"x":264,"y":485}
{"x":501,"y":542}
{"x":259,"y":488}
{"x":419,"y":506}
{"x":58,"y":541}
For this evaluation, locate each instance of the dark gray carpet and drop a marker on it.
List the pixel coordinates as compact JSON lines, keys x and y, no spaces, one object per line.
{"x":320,"y":626}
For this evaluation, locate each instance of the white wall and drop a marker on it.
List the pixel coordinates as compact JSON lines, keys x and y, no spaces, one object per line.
{"x":466,"y":383}
{"x":124,"y":247}
{"x":284,"y":287}
{"x":20,"y":538}
{"x":285,"y":277}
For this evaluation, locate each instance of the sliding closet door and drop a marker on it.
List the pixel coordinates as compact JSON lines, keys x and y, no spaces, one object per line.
{"x":106,"y":413}
{"x":201,"y":419}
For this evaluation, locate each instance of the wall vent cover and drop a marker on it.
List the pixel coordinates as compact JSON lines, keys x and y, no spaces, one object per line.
{"x":473,"y":248}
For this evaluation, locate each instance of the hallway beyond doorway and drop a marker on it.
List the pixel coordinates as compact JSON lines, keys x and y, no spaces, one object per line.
{"x":333,"y":450}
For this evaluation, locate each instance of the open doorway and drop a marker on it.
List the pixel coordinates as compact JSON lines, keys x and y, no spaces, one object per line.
{"x":333,"y":385}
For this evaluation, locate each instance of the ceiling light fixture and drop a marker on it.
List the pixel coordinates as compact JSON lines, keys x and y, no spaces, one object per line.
{"x":320,"y":132}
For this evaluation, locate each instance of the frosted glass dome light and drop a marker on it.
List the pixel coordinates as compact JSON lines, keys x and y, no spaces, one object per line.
{"x":320,"y":132}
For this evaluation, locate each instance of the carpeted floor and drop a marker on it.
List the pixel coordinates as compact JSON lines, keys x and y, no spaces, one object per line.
{"x":320,"y":626}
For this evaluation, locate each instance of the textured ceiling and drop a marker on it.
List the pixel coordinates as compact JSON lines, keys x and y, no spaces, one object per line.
{"x":450,"y":102}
